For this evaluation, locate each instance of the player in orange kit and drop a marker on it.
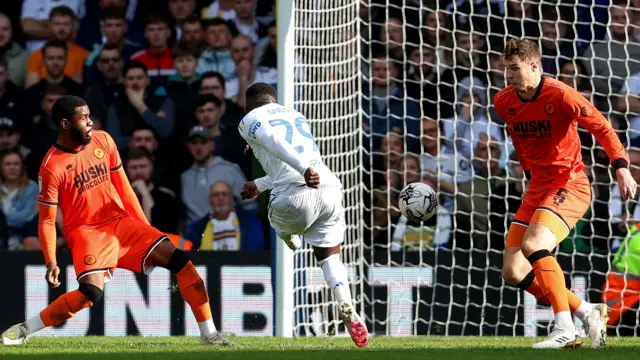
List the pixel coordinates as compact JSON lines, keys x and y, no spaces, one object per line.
{"x":542,"y":115}
{"x":104,"y":224}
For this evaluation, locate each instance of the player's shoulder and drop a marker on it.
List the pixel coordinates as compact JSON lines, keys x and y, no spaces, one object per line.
{"x":51,"y":161}
{"x":101,"y":138}
{"x":503,"y":95}
{"x":555,"y":86}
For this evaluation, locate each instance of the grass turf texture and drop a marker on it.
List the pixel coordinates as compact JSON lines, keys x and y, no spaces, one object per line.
{"x":423,"y":348}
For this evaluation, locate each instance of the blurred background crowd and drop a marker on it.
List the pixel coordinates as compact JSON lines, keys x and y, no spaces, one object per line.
{"x":166,"y":78}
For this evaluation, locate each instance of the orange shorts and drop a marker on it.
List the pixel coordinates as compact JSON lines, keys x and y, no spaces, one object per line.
{"x":558,"y":207}
{"x":123,"y":243}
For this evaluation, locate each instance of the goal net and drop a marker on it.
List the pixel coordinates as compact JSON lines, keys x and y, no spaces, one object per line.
{"x":402,"y":91}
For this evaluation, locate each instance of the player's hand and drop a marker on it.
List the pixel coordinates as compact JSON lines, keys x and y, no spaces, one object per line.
{"x":312,"y":178}
{"x":249,"y":191}
{"x":52,"y":274}
{"x":626,"y":183}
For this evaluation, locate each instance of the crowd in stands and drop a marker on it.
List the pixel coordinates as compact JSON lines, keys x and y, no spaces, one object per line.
{"x":166,"y":78}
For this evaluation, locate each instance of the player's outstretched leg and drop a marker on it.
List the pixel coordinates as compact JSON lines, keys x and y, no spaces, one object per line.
{"x":535,"y":245}
{"x":517,"y":271}
{"x":335,"y":274}
{"x":64,"y":307}
{"x":192,"y":289}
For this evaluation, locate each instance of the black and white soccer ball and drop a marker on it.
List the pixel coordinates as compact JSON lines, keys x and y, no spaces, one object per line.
{"x":418,"y":202}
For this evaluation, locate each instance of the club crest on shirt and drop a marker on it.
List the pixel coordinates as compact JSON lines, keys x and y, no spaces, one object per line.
{"x":549,"y":108}
{"x":97,"y":152}
{"x":90,"y":259}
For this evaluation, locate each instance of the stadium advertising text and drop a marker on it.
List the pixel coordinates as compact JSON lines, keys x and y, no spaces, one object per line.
{"x":414,"y":300}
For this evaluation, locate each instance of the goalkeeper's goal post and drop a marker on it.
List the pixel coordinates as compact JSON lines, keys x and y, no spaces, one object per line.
{"x":402,"y":91}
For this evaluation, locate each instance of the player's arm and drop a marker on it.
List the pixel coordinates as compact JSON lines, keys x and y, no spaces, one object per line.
{"x":264,"y":183}
{"x":579,"y":108}
{"x":263,"y":134}
{"x":47,"y":211}
{"x":499,"y":106}
{"x":127,"y":195}
{"x":121,"y":183}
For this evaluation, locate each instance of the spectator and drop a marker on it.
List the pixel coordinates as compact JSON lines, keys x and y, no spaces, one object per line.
{"x":94,"y":30}
{"x":573,"y":73}
{"x":180,"y":11}
{"x":629,"y":104}
{"x":138,"y":107}
{"x":102,"y":94}
{"x":392,"y":35}
{"x":246,"y":23}
{"x":13,"y":53}
{"x":63,"y":26}
{"x":228,"y":142}
{"x":515,"y":20}
{"x":41,"y":132}
{"x":213,"y":83}
{"x":388,"y":159}
{"x":497,"y":79}
{"x":470,"y":119}
{"x":437,"y":25}
{"x":35,"y":19}
{"x":165,"y":173}
{"x":158,"y":203}
{"x":10,"y":137}
{"x":10,"y":94}
{"x":269,"y":54}
{"x":617,"y":53}
{"x":386,"y":108}
{"x":114,"y":27}
{"x":225,"y":228}
{"x":243,"y":52}
{"x":193,"y":33}
{"x":18,"y":197}
{"x":505,"y":202}
{"x":157,"y":56}
{"x":183,"y":87}
{"x":474,"y":224}
{"x":557,"y":40}
{"x":470,"y":57}
{"x":207,"y":170}
{"x":55,"y":57}
{"x":410,"y":236}
{"x":217,"y":57}
{"x":422,"y":82}
{"x":220,"y":9}
{"x":443,"y":170}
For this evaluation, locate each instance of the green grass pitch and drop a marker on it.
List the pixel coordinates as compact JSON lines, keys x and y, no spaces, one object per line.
{"x":383,"y":348}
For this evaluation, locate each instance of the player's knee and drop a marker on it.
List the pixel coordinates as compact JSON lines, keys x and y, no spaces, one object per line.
{"x":510,"y":275}
{"x":537,"y":237}
{"x":177,"y":261}
{"x":91,"y":292}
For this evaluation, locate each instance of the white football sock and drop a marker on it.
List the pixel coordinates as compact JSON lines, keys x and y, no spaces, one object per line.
{"x":207,"y":328}
{"x":335,"y":274}
{"x":34,"y":324}
{"x":583,"y":309}
{"x":564,"y":320}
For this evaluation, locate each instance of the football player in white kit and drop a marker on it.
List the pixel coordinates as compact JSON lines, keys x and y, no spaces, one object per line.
{"x":306,"y":197}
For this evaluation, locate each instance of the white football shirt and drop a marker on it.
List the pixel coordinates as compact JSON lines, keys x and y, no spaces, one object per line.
{"x":283,"y":144}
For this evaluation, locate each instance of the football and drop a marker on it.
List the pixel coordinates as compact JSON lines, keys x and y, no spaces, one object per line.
{"x":418,"y":202}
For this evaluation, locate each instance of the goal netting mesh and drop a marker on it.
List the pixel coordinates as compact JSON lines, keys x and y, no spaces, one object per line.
{"x":401,"y":91}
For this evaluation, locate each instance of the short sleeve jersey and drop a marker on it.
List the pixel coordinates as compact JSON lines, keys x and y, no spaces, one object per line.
{"x":79,"y":183}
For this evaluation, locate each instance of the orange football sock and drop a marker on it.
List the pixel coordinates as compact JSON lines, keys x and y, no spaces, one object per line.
{"x":64,"y":307}
{"x":551,"y":279}
{"x":536,"y":290}
{"x":194,"y":292}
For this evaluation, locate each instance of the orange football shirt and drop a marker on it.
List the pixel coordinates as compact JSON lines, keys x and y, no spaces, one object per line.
{"x":79,"y":183}
{"x":544,"y":130}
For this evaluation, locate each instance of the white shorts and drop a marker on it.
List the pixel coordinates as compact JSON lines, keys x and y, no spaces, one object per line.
{"x":316,"y":214}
